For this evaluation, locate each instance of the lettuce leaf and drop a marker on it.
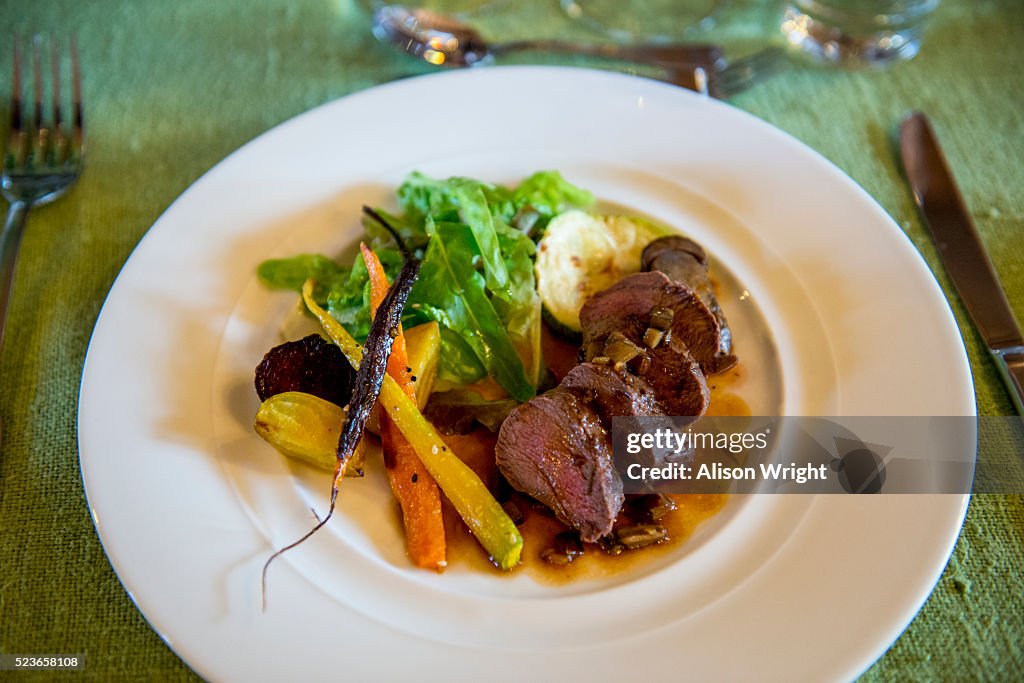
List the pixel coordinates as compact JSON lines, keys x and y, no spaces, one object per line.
{"x":461,"y":200}
{"x":458,"y":363}
{"x":546,"y":192}
{"x":290,"y":273}
{"x":549,"y":194}
{"x":477,"y":278}
{"x":451,"y":291}
{"x":421,"y":196}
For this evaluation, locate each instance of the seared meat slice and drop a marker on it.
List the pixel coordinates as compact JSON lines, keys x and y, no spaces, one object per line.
{"x":620,"y":393}
{"x":626,"y":307}
{"x":312,"y":365}
{"x":677,"y":379}
{"x":683,"y":260}
{"x":555,"y":448}
{"x":614,"y":393}
{"x":648,"y":342}
{"x":672,"y":243}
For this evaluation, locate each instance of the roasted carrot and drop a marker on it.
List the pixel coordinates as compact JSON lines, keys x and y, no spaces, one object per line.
{"x":415,"y":489}
{"x":371,"y":373}
{"x":476,"y":505}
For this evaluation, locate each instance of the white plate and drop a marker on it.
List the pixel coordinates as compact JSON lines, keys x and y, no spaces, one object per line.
{"x":188,"y":502}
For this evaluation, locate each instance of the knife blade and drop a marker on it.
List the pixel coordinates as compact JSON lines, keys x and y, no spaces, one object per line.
{"x":962,"y":251}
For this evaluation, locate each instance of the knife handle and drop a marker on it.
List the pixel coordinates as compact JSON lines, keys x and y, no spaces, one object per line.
{"x":1010,"y":362}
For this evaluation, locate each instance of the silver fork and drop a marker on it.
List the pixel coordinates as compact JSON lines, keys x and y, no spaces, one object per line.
{"x":735,"y":77}
{"x":41,"y":159}
{"x":746,"y":72}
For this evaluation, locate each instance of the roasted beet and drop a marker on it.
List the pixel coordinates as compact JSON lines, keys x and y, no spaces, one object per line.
{"x":311,"y":365}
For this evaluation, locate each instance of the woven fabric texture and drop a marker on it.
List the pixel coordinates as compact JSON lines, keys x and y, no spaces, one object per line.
{"x":173,"y":87}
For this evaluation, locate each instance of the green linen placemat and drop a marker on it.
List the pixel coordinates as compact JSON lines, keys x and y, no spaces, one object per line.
{"x":173,"y":87}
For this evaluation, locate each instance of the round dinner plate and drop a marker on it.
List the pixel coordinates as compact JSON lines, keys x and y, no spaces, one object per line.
{"x":189,"y":502}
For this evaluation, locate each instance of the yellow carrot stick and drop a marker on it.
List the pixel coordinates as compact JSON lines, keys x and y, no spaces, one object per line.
{"x":484,"y":516}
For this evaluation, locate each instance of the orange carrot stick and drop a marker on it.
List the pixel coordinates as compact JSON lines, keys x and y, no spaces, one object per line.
{"x":416,"y":491}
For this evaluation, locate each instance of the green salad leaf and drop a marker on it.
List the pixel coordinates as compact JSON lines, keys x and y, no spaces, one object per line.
{"x":458,"y":364}
{"x":452,"y":292}
{"x":290,"y":273}
{"x":476,"y":280}
{"x":549,"y":194}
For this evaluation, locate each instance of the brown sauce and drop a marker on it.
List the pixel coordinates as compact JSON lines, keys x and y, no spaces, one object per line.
{"x":560,"y":355}
{"x":724,"y":399}
{"x":539,"y":527}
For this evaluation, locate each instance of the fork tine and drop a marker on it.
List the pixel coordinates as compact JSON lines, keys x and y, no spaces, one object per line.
{"x":747,"y":71}
{"x":77,"y":122}
{"x":42,"y":137}
{"x":59,"y":142}
{"x":37,"y":80}
{"x":16,"y":135}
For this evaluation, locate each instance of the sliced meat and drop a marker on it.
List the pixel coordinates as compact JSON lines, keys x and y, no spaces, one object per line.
{"x":311,"y":365}
{"x":619,"y":393}
{"x":626,"y":307}
{"x":677,"y":379}
{"x":555,"y":449}
{"x":614,"y":393}
{"x":655,"y":338}
{"x":683,"y":260}
{"x":666,"y":245}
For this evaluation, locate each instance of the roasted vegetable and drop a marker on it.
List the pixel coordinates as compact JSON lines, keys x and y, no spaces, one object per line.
{"x":370,"y":372}
{"x":423,"y":347}
{"x":373,"y":365}
{"x":301,"y":426}
{"x":581,"y":254}
{"x":411,"y":483}
{"x":305,"y":427}
{"x":484,"y":516}
{"x":477,"y":280}
{"x":311,"y":365}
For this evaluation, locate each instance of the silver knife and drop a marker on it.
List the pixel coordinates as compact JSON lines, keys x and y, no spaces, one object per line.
{"x":962,"y":251}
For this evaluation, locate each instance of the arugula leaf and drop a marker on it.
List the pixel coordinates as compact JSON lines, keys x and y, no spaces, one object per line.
{"x":345,"y":292}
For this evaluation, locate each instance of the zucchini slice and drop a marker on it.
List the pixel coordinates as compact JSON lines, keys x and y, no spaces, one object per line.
{"x":581,"y":254}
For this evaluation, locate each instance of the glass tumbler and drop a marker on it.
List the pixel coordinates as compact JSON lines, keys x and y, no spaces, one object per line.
{"x":857,"y":32}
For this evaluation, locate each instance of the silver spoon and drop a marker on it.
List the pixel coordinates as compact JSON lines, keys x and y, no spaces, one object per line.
{"x":445,"y":41}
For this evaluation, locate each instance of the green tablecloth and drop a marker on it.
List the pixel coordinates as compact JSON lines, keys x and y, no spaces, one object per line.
{"x":173,"y":87}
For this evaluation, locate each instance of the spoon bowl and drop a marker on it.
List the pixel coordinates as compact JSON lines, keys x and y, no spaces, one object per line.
{"x":445,"y":41}
{"x":435,"y":38}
